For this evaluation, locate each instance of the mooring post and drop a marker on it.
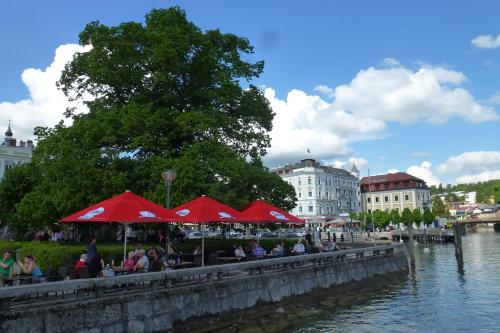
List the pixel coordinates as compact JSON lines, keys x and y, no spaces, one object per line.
{"x":411,"y":246}
{"x":458,"y":241}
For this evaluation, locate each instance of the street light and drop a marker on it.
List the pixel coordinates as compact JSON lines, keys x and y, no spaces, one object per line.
{"x":169,"y":177}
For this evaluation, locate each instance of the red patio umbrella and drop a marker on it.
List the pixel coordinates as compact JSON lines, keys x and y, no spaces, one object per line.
{"x":205,"y":210}
{"x":125,"y":208}
{"x":264,"y":212}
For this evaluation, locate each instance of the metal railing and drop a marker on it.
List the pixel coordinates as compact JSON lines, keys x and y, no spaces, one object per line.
{"x":42,"y":294}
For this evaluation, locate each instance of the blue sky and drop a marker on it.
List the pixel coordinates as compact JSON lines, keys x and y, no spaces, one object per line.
{"x":311,"y":43}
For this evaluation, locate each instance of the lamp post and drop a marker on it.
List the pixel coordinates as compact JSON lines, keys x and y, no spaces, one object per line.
{"x":169,"y":177}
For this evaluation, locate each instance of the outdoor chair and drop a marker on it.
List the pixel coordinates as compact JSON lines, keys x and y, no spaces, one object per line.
{"x":213,"y":259}
{"x":50,"y":274}
{"x":72,"y":273}
{"x":62,"y":272}
{"x":83,"y":272}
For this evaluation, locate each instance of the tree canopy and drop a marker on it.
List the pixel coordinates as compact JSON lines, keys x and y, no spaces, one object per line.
{"x":164,"y":95}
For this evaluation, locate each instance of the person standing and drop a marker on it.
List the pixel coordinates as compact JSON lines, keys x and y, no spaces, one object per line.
{"x":91,"y":249}
{"x":6,"y":264}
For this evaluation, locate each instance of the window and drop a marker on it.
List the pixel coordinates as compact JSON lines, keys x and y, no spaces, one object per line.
{"x":396,"y":198}
{"x":368,"y":200}
{"x":299,"y":182}
{"x":300,"y":194}
{"x":309,"y":194}
{"x":309,"y":181}
{"x":319,"y":195}
{"x":310,"y":208}
{"x":376,"y":199}
{"x":407,"y":197}
{"x":320,"y":210}
{"x":369,"y":211}
{"x":300,"y":209}
{"x":386,"y":198}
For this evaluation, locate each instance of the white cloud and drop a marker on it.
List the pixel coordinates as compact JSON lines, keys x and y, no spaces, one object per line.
{"x":486,"y":41}
{"x":494,"y":99}
{"x":46,"y":103}
{"x":424,"y":171}
{"x":307,"y":121}
{"x":325,"y":90}
{"x":390,"y":62}
{"x":361,"y":110}
{"x":472,"y":166}
{"x":399,"y":94}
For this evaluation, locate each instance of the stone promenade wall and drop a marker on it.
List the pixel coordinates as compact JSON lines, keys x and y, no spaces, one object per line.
{"x":157,"y":310}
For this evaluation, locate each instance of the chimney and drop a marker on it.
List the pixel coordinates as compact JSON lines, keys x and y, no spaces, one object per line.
{"x":22,"y":144}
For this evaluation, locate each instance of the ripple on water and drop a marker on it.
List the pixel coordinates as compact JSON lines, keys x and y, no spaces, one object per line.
{"x":438,"y":297}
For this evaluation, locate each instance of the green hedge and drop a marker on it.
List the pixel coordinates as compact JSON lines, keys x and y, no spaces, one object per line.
{"x":51,"y":254}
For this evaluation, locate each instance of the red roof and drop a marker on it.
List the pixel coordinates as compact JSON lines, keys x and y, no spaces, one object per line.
{"x":390,"y":177}
{"x":264,"y":212}
{"x":126,"y":208}
{"x":205,"y":209}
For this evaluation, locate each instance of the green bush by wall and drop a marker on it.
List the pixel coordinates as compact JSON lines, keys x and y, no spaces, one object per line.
{"x":52,"y":254}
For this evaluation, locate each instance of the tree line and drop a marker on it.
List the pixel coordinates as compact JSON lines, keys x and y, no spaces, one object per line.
{"x":382,"y":218}
{"x":486,"y":192}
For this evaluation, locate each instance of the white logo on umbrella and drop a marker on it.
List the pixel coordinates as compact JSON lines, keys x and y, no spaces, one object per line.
{"x":183,"y":212}
{"x":224,"y":215}
{"x":278,"y":215}
{"x":92,"y":213}
{"x":145,"y":213}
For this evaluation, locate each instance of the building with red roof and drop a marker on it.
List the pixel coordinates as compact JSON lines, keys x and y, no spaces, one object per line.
{"x":394,"y":191}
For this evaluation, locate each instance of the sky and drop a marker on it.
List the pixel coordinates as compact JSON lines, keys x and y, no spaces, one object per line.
{"x":388,"y":85}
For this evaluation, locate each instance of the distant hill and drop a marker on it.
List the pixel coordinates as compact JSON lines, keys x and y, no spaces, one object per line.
{"x":485,"y":191}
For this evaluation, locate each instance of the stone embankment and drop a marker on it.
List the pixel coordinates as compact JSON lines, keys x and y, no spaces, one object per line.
{"x":154,"y":302}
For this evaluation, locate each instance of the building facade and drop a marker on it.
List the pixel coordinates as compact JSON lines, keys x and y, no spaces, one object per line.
{"x":394,"y":191}
{"x":323,"y":192}
{"x":12,"y":154}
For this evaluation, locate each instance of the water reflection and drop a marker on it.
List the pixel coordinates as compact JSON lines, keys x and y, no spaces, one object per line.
{"x":435,"y":297}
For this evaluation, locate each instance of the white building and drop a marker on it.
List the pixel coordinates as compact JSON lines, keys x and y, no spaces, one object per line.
{"x":470,"y":198}
{"x":12,"y":154}
{"x":395,"y":191}
{"x":323,"y":192}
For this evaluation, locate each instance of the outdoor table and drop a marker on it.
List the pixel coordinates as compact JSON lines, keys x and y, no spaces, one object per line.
{"x":227,"y":260}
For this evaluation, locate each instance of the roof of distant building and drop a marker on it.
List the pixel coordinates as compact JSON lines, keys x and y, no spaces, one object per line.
{"x":390,"y":177}
{"x":309,"y":162}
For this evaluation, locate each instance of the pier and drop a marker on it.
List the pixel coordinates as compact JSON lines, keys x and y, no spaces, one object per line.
{"x":154,"y":302}
{"x":426,"y":235}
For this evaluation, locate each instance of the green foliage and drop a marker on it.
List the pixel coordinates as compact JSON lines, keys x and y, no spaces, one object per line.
{"x":51,"y":254}
{"x":395,"y":217}
{"x":167,"y":95}
{"x":381,"y":218}
{"x":353,"y":215}
{"x":365,"y":218}
{"x":428,"y":217}
{"x":417,"y":216}
{"x":438,"y":207}
{"x":407,"y":217}
{"x":484,"y":190}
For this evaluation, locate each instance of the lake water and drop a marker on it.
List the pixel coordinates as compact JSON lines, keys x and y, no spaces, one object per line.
{"x":440,"y":296}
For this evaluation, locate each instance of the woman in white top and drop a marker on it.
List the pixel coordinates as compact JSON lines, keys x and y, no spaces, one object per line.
{"x":239,"y":253}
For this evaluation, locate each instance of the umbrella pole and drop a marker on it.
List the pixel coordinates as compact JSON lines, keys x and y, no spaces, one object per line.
{"x":124,"y":242}
{"x":203,"y":244}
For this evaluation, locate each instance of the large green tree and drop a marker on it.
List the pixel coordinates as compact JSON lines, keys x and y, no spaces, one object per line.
{"x":417,"y":217}
{"x":438,"y":207}
{"x":407,"y":217}
{"x":381,"y":218}
{"x":164,"y":95}
{"x":428,"y":217}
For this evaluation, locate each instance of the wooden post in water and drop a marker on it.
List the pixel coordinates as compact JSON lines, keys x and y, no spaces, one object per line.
{"x":411,"y":245}
{"x":458,"y":242}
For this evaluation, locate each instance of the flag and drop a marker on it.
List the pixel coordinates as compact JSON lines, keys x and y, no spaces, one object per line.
{"x":308,"y":150}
